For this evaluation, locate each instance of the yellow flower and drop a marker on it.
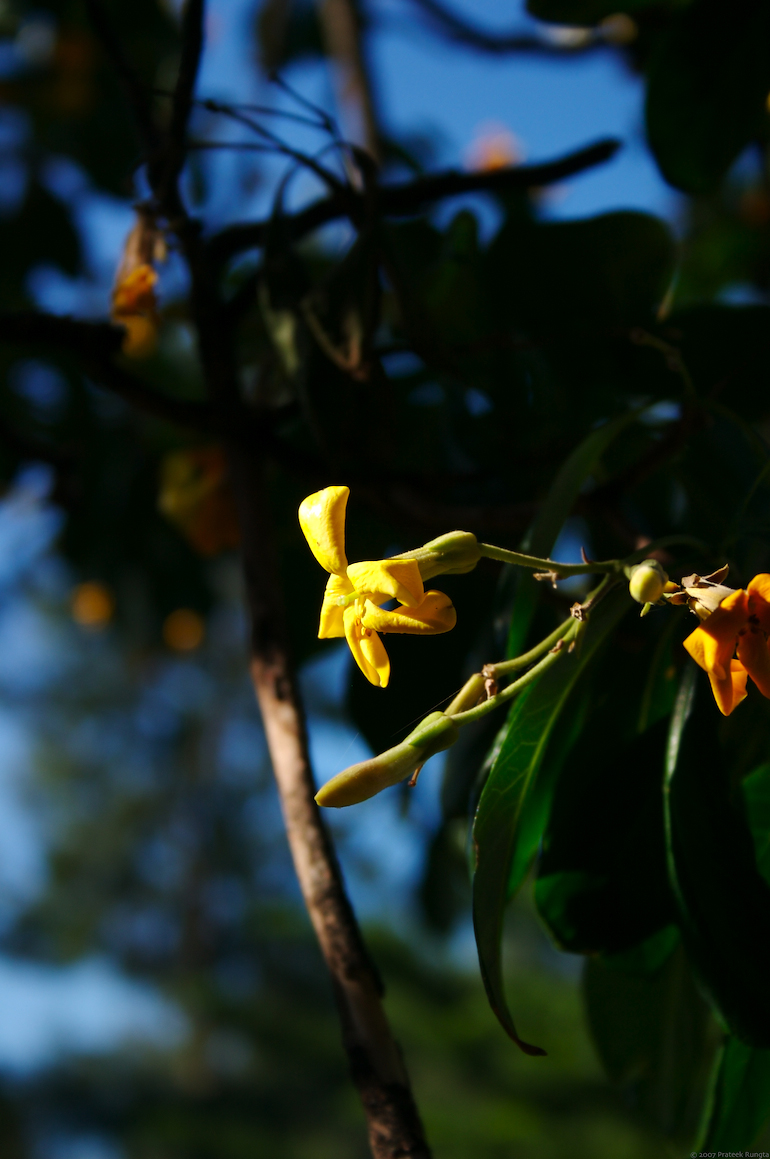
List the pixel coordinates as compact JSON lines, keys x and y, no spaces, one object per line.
{"x":740,"y":621}
{"x":355,"y":593}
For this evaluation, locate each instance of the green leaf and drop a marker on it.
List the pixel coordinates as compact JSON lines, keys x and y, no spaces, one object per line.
{"x":653,"y":1034}
{"x":557,"y":506}
{"x":581,"y":11}
{"x":707,"y":89}
{"x":513,"y":807}
{"x":723,"y":902}
{"x":740,"y":1103}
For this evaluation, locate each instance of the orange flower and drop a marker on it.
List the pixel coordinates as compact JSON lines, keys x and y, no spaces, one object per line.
{"x":741,"y":622}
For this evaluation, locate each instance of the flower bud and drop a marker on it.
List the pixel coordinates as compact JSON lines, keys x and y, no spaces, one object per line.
{"x":455,"y":553}
{"x":367,"y":778}
{"x":646,"y":581}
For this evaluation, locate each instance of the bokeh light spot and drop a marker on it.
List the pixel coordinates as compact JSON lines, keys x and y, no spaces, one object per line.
{"x":93,"y":605}
{"x":183,"y":630}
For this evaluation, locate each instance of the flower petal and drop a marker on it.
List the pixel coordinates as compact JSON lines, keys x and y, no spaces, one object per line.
{"x":712,"y":644}
{"x":754,"y":654}
{"x":390,"y":579}
{"x":759,"y":600}
{"x":435,"y":614}
{"x":322,"y":519}
{"x":738,"y":676}
{"x":332,"y":623}
{"x":367,"y":648}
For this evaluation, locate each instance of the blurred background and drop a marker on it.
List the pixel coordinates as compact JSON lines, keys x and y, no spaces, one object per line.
{"x":161,"y":996}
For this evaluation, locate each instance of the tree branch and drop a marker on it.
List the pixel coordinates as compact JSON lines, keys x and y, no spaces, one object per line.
{"x":165,"y":180}
{"x":395,"y":1131}
{"x":462,"y":31}
{"x":410,"y":197}
{"x":341,"y":30}
{"x":95,"y":344}
{"x":377,"y":1068}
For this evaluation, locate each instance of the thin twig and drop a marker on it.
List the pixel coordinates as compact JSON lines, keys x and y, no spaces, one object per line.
{"x":410,"y":197}
{"x":334,"y":184}
{"x":341,"y":31}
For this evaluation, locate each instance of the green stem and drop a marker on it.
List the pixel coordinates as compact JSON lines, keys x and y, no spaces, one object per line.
{"x":512,"y":690}
{"x":561,"y":570}
{"x":527,"y":658}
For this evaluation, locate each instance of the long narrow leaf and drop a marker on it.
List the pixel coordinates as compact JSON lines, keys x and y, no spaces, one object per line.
{"x":513,"y":807}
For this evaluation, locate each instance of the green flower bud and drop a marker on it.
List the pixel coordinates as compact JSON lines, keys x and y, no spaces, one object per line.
{"x":367,"y":778}
{"x":455,"y":553}
{"x":646,"y":581}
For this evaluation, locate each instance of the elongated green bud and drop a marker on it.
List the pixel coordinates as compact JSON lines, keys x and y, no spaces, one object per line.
{"x":367,"y":778}
{"x":455,"y":553}
{"x":646,"y":581}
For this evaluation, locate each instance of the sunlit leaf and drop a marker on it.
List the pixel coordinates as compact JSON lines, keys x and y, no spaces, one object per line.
{"x":514,"y":804}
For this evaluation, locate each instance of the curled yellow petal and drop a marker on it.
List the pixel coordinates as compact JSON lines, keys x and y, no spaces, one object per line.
{"x":367,"y":648}
{"x":332,"y":615}
{"x":390,"y":579}
{"x":322,"y":519}
{"x":435,"y":614}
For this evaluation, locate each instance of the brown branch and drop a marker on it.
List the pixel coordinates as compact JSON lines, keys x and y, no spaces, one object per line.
{"x":341,"y":30}
{"x":395,"y":1131}
{"x":95,"y":344}
{"x":410,"y":197}
{"x":377,"y":1068}
{"x":165,"y":178}
{"x":134,"y":90}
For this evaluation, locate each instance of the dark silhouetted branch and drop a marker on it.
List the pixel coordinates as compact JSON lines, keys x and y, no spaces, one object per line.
{"x":463,"y":31}
{"x":166,"y":177}
{"x":94,"y":345}
{"x":410,"y":197}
